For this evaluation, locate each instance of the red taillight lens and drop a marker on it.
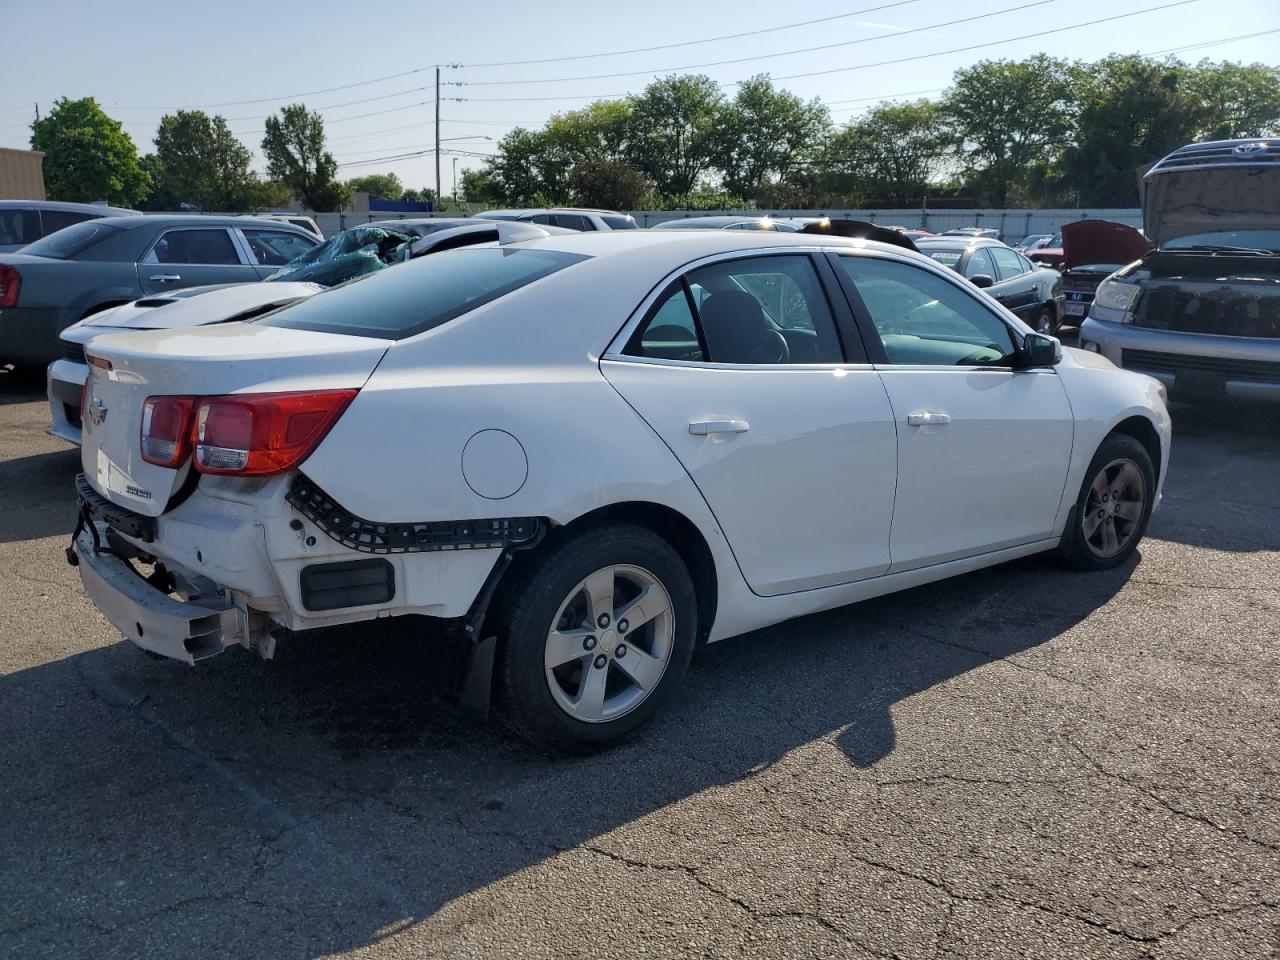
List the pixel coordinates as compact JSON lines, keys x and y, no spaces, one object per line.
{"x":10,"y":284}
{"x":256,"y":435}
{"x":166,"y":430}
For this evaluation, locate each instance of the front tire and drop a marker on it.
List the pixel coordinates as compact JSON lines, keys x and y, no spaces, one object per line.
{"x":596,"y":637}
{"x":1113,"y":507}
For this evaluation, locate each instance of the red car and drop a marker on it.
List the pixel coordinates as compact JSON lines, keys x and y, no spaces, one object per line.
{"x":1091,"y":250}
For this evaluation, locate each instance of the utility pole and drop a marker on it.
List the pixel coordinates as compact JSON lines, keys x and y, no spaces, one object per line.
{"x":37,"y":113}
{"x":437,"y":137}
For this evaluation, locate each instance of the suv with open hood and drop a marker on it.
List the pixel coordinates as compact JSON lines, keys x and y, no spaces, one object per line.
{"x":1201,"y":312}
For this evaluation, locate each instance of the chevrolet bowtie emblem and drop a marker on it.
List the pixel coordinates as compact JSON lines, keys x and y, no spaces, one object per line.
{"x":97,"y":412}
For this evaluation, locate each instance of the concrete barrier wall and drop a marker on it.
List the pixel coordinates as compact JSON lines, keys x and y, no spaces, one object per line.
{"x":1013,"y":225}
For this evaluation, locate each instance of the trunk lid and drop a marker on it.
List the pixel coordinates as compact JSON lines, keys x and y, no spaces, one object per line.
{"x":1087,"y":242}
{"x":205,"y":361}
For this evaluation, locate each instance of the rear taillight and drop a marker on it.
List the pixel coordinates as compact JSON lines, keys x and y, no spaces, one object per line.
{"x":84,"y":397}
{"x":255,"y":435}
{"x":166,"y":430}
{"x":10,"y":284}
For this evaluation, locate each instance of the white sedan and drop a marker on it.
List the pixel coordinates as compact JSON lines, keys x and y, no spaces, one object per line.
{"x":594,"y":452}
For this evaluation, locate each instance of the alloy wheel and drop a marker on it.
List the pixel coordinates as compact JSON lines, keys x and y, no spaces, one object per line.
{"x":610,"y":643}
{"x":1114,"y":508}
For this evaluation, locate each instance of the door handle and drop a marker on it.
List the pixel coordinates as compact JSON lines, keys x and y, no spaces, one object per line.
{"x":165,"y":277}
{"x":702,"y":428}
{"x":928,"y":418}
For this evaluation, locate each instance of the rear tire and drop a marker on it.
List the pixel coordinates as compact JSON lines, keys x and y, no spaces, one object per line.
{"x":1105,"y":529}
{"x":1044,"y":322}
{"x":568,"y":651}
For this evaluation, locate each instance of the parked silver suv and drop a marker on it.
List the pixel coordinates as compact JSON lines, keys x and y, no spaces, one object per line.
{"x":1201,"y":312}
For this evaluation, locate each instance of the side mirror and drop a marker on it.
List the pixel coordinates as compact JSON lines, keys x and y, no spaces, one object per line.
{"x":982,"y":280}
{"x":1040,"y":351}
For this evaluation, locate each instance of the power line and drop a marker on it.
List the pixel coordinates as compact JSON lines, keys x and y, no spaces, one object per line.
{"x":770,"y":56}
{"x":689,"y":43}
{"x":991,"y":43}
{"x":1212,"y":43}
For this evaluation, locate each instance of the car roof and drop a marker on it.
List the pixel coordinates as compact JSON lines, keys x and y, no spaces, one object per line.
{"x":688,"y":245}
{"x":715,"y":220}
{"x":529,"y":211}
{"x":69,"y":206}
{"x":193,"y":220}
{"x":954,"y":242}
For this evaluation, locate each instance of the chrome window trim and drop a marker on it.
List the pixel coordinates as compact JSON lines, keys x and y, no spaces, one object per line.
{"x":150,"y":259}
{"x":614,"y":351}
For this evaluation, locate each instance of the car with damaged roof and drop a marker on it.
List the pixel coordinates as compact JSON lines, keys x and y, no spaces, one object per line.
{"x":592,"y":452}
{"x":1201,"y":312}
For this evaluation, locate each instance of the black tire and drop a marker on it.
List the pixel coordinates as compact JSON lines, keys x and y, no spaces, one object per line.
{"x":1076,"y":551}
{"x":1045,"y":321}
{"x":525,"y":614}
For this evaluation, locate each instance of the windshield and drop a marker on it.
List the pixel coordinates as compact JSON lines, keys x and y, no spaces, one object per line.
{"x":1245,"y":239}
{"x":421,"y":294}
{"x":67,"y":242}
{"x":616,"y":222}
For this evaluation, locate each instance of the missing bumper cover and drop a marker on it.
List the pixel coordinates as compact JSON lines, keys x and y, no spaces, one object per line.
{"x":428,"y":536}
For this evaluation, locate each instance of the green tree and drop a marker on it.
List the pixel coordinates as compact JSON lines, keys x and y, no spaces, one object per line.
{"x":478,"y":187}
{"x":765,"y":135}
{"x":676,"y":121}
{"x":385,"y":186}
{"x":87,"y":155}
{"x":296,"y":156}
{"x":425,"y":195}
{"x":893,"y":153}
{"x":519,"y":171}
{"x":199,"y":160}
{"x":612,"y":184}
{"x":1132,"y":111}
{"x":1007,"y":116}
{"x":1234,"y":101}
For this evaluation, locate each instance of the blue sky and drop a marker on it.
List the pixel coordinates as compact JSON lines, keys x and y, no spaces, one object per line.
{"x":144,"y":59}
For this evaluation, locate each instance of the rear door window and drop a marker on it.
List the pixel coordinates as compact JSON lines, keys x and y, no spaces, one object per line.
{"x":756,"y":310}
{"x":980,"y":263}
{"x":19,"y":227}
{"x":422,"y":294}
{"x":209,"y":246}
{"x":1007,"y":262}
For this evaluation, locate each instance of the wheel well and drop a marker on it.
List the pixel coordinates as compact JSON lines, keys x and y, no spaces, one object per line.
{"x":683,"y":536}
{"x":1141,"y":429}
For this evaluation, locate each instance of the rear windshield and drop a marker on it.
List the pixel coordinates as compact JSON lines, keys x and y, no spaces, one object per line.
{"x":69,"y":241}
{"x":618,"y":223}
{"x":948,"y":258}
{"x":409,"y":298}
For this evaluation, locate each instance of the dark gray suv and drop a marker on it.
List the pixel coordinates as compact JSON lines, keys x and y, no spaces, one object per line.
{"x":26,"y":221}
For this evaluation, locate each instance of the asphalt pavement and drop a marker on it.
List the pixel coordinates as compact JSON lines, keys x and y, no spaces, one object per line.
{"x":1020,"y":762}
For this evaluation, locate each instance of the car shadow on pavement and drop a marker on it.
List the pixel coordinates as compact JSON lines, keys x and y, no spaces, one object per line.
{"x":1220,"y":491}
{"x":21,"y":384}
{"x":325,"y":800}
{"x":38,"y":495}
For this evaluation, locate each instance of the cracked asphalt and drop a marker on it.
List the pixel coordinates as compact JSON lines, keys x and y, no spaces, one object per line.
{"x":1021,"y":762}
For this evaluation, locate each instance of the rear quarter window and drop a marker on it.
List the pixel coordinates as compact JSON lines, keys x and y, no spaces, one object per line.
{"x":410,"y":298}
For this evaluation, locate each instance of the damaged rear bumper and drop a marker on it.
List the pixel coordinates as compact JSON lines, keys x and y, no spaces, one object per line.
{"x":177,"y":629}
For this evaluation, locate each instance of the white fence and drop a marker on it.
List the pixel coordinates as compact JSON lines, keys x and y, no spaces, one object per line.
{"x":1013,"y":225}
